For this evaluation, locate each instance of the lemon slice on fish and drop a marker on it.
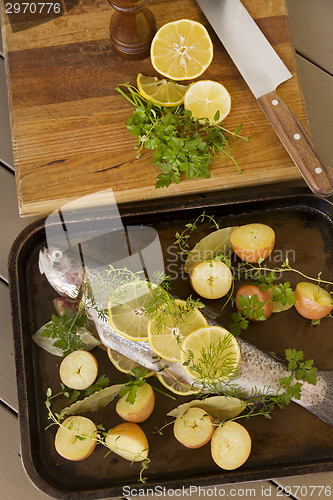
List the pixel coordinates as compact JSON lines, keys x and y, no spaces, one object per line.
{"x":176,"y":386}
{"x":125,"y":364}
{"x":210,"y":354}
{"x":166,"y":339}
{"x":126,"y":309}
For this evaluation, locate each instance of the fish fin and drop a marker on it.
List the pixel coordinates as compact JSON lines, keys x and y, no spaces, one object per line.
{"x":324,"y":409}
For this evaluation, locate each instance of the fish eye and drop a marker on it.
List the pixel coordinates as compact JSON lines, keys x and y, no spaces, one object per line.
{"x":56,"y":255}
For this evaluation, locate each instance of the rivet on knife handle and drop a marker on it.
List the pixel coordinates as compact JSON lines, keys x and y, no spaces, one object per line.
{"x":298,"y":144}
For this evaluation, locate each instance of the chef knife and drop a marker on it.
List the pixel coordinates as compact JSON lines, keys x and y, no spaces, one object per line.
{"x":263,"y":71}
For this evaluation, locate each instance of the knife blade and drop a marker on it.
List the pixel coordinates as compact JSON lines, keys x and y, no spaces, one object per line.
{"x":263,"y":71}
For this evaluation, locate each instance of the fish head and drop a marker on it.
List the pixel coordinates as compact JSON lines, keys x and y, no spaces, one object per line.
{"x":63,"y":270}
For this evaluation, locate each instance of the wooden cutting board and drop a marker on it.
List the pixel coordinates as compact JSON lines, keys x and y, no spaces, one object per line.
{"x":68,"y":121}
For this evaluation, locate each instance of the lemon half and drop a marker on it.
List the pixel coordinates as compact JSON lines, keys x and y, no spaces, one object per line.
{"x":181,"y":50}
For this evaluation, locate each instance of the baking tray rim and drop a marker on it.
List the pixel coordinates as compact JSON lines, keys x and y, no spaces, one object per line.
{"x":300,"y":196}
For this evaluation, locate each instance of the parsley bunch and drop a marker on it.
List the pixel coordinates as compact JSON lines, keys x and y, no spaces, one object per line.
{"x":181,"y":144}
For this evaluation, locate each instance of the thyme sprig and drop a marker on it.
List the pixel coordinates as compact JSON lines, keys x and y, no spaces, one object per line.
{"x":255,"y":271}
{"x":182,"y":239}
{"x":56,"y":419}
{"x":181,"y":143}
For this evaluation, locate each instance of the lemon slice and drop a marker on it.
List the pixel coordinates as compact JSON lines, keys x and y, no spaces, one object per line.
{"x":125,"y":364}
{"x":166,"y":341}
{"x":176,"y":386}
{"x":162,"y":92}
{"x":210,"y":354}
{"x":208,"y":99}
{"x":126,"y":309}
{"x":181,"y":50}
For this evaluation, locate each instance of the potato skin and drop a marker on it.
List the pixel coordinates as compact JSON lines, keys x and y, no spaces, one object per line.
{"x":248,"y":248}
{"x":129,"y":441}
{"x":142,"y":407}
{"x":308,"y":307}
{"x":262,"y":295}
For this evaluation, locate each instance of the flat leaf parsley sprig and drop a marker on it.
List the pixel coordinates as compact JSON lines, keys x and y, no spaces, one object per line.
{"x":181,"y":143}
{"x":64,"y":329}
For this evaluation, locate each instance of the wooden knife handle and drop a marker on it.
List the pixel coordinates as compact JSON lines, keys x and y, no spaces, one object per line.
{"x":298,"y":144}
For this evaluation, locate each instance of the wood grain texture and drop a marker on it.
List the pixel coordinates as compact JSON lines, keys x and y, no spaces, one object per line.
{"x":14,"y":483}
{"x":6,"y":153}
{"x":1,"y":47}
{"x":8,"y":392}
{"x":11,"y":224}
{"x":69,"y":136}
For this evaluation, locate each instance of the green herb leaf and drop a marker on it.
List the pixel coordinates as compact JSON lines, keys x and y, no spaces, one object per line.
{"x":101,"y":382}
{"x":182,"y":145}
{"x":66,"y":332}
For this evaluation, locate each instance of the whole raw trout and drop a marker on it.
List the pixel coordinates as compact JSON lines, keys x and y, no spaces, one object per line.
{"x":66,"y":273}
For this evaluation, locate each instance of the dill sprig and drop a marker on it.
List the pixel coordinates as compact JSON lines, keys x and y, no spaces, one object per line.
{"x":260,"y":401}
{"x":215,"y":362}
{"x":162,"y":305}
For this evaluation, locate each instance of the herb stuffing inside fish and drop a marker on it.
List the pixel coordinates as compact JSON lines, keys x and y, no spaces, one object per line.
{"x":257,"y":372}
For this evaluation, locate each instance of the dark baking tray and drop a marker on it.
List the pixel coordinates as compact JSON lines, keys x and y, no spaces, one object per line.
{"x":293,"y":442}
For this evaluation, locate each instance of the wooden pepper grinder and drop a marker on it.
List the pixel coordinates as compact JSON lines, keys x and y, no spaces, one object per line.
{"x":132,"y":28}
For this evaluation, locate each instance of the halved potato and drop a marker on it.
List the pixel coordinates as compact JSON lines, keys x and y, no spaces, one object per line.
{"x":142,"y":407}
{"x":230,"y":445}
{"x":128,"y":441}
{"x":211,"y":279}
{"x":78,"y":370}
{"x":193,"y":427}
{"x":76,"y":438}
{"x":252,"y":241}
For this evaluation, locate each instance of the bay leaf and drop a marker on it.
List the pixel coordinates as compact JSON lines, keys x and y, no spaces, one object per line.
{"x":207,"y":247}
{"x":95,"y":402}
{"x":220,"y":407}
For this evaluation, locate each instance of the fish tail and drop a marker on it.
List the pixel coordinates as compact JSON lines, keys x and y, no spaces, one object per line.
{"x":324,"y":407}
